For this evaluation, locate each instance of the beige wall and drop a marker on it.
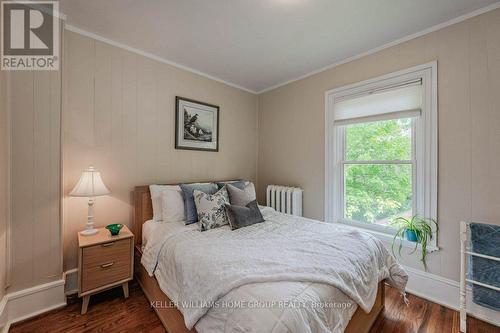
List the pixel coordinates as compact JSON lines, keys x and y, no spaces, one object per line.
{"x":126,"y":130}
{"x":129,"y":135}
{"x":34,"y":104}
{"x":291,"y":127}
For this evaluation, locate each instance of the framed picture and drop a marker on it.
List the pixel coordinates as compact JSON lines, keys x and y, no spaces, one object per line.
{"x":196,"y":125}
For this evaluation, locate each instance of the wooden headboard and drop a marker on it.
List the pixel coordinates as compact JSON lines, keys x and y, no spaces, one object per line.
{"x":143,"y":211}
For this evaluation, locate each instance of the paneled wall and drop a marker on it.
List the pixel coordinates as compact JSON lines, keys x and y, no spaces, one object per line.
{"x":4,"y":164}
{"x":468,"y":55}
{"x":119,"y":117}
{"x":34,"y":102}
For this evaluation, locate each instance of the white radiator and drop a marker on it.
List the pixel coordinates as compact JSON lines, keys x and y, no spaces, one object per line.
{"x":285,"y":199}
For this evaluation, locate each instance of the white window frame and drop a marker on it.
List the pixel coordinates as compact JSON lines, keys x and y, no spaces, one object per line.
{"x":424,"y":141}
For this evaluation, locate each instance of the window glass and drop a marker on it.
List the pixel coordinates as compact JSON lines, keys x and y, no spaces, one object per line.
{"x":376,"y":193}
{"x":380,"y":140}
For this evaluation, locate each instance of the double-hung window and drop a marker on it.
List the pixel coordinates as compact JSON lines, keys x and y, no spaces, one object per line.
{"x":381,"y":150}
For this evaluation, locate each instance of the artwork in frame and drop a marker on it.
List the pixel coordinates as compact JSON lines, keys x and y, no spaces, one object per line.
{"x":196,"y":125}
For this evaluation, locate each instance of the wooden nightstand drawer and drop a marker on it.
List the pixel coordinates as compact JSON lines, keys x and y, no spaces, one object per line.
{"x":101,"y":253}
{"x":106,"y":263}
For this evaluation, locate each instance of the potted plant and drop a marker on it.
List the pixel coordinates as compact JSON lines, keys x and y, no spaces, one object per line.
{"x":415,"y":229}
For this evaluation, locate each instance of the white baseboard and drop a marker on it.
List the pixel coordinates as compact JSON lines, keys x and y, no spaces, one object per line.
{"x":30,"y":302}
{"x":71,"y":277}
{"x":445,"y":292}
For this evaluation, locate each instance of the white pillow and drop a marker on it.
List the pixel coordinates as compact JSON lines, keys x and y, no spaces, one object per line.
{"x":172,"y":205}
{"x":250,"y":189}
{"x":155,"y":191}
{"x":156,"y":199}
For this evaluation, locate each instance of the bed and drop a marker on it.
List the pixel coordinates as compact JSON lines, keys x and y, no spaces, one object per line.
{"x":155,"y":282}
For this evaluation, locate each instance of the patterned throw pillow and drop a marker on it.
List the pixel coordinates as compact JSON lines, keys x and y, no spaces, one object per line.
{"x":211,"y":208}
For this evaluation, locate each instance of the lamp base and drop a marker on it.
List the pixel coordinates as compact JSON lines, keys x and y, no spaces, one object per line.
{"x":89,"y":232}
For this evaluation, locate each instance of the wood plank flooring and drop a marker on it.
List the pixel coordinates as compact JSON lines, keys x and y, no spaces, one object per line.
{"x":422,"y":316}
{"x":109,"y":312}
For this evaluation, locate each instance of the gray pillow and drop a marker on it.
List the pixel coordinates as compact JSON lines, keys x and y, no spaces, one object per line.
{"x":240,"y":197}
{"x":236,"y":183}
{"x":189,"y":205}
{"x":240,"y":217}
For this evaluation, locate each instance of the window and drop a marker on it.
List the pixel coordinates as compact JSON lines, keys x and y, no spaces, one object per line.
{"x":381,"y":150}
{"x":378,"y":168}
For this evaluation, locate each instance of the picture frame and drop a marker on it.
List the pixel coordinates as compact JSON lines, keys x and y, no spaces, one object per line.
{"x":196,"y":125}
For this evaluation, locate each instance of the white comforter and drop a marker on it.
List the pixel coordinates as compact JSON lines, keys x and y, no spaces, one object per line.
{"x":278,"y":276}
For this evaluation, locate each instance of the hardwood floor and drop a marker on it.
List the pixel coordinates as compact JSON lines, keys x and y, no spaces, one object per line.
{"x":422,"y":316}
{"x":109,"y":312}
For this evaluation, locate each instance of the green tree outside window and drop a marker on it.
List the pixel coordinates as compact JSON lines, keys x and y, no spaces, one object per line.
{"x":376,"y":193}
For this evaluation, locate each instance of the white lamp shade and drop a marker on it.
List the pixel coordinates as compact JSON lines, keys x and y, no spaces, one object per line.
{"x":89,"y":185}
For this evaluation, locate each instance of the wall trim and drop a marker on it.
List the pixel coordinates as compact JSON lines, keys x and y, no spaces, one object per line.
{"x":3,"y":305}
{"x":8,"y":203}
{"x":62,"y":105}
{"x":281,"y":84}
{"x":71,"y":278}
{"x":445,"y":292}
{"x":153,"y":56}
{"x":424,"y":32}
{"x":30,"y":302}
{"x":425,"y":147}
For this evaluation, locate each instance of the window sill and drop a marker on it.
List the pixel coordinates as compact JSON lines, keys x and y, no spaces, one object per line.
{"x":387,"y":239}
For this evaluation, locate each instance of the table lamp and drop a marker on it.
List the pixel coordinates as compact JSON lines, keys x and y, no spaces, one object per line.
{"x":90,"y":185}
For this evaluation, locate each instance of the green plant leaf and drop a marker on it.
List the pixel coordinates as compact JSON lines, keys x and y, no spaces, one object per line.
{"x":423,"y":230}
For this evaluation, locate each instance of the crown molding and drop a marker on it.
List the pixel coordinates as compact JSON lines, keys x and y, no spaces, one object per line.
{"x":434,"y":28}
{"x":437,"y":27}
{"x":153,"y":57}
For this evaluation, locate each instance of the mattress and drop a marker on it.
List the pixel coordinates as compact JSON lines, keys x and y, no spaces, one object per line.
{"x":329,"y":319}
{"x":270,"y":306}
{"x":152,"y":231}
{"x":148,"y":229}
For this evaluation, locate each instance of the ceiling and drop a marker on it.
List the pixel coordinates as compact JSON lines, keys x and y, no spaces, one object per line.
{"x":258,"y":44}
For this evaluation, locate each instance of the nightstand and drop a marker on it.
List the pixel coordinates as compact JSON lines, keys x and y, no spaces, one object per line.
{"x":104,"y":261}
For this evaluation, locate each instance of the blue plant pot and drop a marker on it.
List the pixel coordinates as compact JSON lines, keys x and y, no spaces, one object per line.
{"x":411,"y":235}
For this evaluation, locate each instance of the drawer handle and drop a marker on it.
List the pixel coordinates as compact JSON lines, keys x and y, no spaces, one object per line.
{"x":109,"y":264}
{"x":107,"y":244}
